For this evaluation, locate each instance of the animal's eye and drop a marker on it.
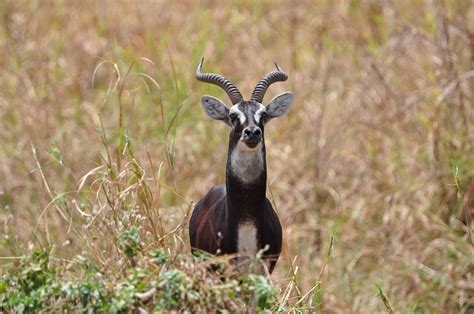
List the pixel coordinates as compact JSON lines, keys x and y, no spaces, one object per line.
{"x":263,"y":116}
{"x":233,"y":116}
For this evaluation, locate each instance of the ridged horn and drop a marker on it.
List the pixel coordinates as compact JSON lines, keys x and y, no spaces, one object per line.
{"x":266,"y":81}
{"x":221,"y":81}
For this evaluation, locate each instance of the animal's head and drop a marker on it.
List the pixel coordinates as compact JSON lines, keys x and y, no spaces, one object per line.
{"x":247,"y":119}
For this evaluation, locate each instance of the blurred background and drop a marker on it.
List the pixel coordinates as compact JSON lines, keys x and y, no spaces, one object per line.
{"x":371,"y":172}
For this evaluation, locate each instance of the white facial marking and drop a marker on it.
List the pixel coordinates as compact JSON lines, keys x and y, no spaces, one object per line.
{"x":246,"y":162}
{"x":235,"y":109}
{"x":259,"y":112}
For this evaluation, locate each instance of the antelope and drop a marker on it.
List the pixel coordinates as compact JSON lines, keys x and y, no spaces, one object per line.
{"x":237,"y":218}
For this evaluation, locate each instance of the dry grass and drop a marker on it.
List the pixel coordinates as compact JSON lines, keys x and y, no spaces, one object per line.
{"x":377,"y":152}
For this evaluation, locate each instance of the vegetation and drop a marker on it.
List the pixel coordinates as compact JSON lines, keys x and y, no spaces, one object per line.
{"x":104,"y":148}
{"x":158,"y":283}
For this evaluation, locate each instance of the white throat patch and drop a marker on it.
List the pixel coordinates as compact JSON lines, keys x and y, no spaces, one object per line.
{"x":247,"y":163}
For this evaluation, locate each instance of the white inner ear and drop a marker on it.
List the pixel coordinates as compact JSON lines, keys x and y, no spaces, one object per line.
{"x":235,"y":109}
{"x":258,"y":113}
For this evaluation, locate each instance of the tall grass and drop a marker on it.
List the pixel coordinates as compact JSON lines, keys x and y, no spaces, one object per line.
{"x":104,"y":147}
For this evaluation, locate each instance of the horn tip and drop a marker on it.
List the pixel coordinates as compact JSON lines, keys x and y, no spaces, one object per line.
{"x":199,"y":67}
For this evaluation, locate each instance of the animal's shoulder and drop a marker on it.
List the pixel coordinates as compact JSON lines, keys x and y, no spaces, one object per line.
{"x":216,"y":191}
{"x":215,"y":195}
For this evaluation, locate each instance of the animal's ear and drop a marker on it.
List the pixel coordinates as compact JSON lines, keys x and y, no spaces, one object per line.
{"x":279,"y":105}
{"x":215,"y":108}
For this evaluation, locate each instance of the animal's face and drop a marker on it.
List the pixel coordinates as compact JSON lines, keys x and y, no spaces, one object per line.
{"x":247,"y":118}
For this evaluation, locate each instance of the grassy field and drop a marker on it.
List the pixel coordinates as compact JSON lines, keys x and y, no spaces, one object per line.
{"x":104,"y":149}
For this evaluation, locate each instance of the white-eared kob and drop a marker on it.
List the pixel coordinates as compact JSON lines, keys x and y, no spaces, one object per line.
{"x":237,"y":218}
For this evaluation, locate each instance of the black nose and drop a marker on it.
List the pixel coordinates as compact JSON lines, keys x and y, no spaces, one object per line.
{"x":252,"y":133}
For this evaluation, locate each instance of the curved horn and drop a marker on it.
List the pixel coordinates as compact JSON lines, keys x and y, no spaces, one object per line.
{"x":220,"y":81}
{"x":266,"y":81}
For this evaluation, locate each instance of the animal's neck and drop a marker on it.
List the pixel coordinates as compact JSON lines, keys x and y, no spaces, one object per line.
{"x":246,"y":181}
